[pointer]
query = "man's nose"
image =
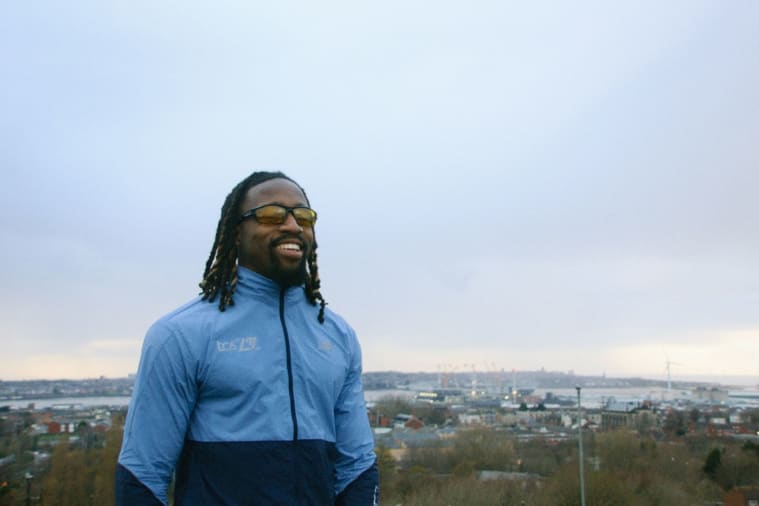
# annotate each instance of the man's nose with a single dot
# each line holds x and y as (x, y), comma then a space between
(290, 224)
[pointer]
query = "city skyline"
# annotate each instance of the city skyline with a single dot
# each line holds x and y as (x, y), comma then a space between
(463, 380)
(566, 187)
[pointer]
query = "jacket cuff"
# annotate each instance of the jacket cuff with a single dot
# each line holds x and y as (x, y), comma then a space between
(132, 492)
(363, 491)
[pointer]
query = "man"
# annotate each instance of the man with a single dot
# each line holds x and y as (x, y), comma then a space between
(256, 399)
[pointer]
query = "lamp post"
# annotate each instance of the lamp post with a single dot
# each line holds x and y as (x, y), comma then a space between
(579, 443)
(28, 477)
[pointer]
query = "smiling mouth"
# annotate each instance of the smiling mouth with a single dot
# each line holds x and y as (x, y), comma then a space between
(289, 247)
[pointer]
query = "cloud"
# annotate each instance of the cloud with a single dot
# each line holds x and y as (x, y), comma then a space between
(114, 345)
(113, 358)
(716, 352)
(497, 180)
(72, 365)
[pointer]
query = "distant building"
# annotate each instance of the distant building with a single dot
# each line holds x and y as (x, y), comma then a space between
(487, 475)
(627, 416)
(406, 421)
(711, 395)
(595, 418)
(440, 396)
(470, 419)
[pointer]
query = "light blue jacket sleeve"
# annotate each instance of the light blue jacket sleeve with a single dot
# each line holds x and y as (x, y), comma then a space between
(355, 444)
(162, 402)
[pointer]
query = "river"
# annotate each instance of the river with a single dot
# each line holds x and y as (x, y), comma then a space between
(591, 397)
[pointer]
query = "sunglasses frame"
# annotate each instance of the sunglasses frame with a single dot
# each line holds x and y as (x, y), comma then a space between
(251, 213)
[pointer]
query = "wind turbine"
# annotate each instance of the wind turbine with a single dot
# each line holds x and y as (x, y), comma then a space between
(669, 363)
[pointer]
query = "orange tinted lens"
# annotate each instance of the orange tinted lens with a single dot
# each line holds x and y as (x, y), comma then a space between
(271, 215)
(304, 216)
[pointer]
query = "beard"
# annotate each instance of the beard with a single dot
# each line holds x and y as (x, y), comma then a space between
(288, 276)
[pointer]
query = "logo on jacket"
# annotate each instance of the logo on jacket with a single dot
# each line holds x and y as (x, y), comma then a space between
(238, 344)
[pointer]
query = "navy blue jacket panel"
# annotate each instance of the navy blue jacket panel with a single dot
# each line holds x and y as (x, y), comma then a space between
(259, 401)
(296, 472)
(131, 492)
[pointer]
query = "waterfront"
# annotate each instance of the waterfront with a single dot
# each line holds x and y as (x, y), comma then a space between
(122, 401)
(84, 401)
(745, 388)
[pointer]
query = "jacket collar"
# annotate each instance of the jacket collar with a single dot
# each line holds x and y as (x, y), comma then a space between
(253, 283)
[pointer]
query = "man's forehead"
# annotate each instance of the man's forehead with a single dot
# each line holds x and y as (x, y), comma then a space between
(275, 190)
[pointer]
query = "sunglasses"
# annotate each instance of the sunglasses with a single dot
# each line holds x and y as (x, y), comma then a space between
(275, 214)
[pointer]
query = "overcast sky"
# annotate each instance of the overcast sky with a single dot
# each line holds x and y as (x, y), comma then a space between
(513, 185)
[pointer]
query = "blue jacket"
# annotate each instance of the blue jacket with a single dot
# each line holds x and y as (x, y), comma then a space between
(259, 404)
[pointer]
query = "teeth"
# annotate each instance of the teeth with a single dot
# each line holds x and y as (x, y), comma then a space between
(289, 246)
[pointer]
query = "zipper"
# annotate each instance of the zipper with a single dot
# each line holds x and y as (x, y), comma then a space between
(289, 363)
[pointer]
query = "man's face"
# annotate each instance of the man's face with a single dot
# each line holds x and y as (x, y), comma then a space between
(278, 252)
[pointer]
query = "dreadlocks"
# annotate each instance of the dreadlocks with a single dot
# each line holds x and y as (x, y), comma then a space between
(220, 275)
